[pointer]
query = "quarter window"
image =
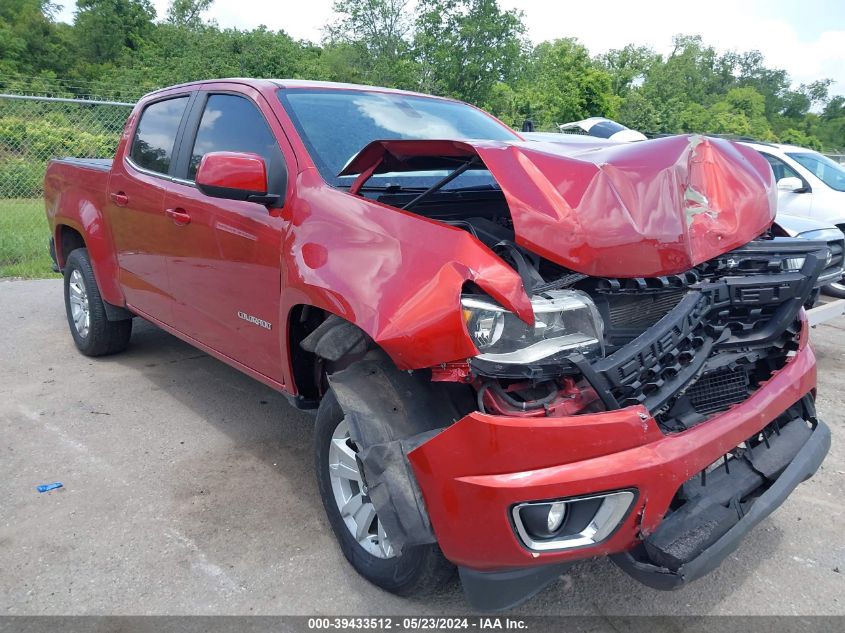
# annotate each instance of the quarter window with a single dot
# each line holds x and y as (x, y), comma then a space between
(152, 147)
(233, 124)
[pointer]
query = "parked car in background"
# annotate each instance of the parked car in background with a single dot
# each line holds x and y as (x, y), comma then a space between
(601, 127)
(520, 357)
(810, 185)
(830, 281)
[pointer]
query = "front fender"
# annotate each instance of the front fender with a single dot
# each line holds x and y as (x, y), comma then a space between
(394, 274)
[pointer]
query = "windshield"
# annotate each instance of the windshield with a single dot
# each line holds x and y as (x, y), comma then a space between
(829, 172)
(337, 124)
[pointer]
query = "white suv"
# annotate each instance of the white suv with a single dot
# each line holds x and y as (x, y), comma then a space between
(810, 185)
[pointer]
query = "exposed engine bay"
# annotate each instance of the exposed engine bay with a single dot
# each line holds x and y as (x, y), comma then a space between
(686, 346)
(716, 322)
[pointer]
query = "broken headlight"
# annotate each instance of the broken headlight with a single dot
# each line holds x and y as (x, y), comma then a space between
(564, 321)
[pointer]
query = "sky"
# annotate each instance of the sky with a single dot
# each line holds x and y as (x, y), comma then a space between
(806, 37)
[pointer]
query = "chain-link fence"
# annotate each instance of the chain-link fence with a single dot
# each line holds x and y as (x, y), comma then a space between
(32, 131)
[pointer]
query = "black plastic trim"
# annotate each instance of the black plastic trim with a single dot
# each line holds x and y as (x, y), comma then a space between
(55, 265)
(805, 463)
(501, 590)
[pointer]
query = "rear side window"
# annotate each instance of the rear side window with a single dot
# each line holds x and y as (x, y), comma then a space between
(233, 124)
(152, 147)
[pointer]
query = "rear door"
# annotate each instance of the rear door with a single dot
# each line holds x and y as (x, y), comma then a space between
(135, 206)
(225, 268)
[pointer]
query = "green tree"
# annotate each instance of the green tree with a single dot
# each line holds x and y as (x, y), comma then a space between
(627, 66)
(638, 113)
(373, 38)
(797, 137)
(106, 30)
(31, 43)
(465, 47)
(187, 13)
(565, 84)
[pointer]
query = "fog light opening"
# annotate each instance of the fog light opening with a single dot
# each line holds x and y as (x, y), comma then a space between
(568, 523)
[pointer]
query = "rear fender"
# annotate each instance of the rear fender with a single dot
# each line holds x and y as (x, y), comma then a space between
(89, 223)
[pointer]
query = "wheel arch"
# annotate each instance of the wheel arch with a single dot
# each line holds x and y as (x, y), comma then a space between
(67, 239)
(70, 235)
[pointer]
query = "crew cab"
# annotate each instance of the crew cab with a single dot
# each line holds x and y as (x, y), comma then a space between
(519, 357)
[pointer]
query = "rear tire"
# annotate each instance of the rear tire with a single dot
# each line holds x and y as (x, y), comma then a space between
(91, 330)
(418, 570)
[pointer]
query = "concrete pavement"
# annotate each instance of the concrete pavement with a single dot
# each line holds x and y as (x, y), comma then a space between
(188, 489)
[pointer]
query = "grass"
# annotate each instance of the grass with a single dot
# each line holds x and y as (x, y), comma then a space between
(24, 238)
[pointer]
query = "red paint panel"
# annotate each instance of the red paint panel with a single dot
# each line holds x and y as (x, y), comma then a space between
(76, 197)
(233, 170)
(474, 471)
(394, 274)
(663, 206)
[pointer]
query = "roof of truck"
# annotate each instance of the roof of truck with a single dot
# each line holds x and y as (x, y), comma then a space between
(298, 83)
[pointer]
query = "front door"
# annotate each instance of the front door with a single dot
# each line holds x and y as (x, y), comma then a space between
(135, 207)
(225, 265)
(790, 202)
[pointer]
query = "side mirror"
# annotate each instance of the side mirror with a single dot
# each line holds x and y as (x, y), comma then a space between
(795, 185)
(234, 176)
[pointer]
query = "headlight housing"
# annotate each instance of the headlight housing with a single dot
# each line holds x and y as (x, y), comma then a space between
(564, 321)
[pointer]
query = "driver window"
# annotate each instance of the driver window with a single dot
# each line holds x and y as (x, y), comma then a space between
(234, 124)
(781, 169)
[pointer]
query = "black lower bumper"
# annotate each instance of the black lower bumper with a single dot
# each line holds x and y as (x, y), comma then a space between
(684, 549)
(500, 590)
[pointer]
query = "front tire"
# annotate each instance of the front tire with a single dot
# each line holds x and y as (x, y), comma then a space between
(836, 289)
(418, 570)
(91, 330)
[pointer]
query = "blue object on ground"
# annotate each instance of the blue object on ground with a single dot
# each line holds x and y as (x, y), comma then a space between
(48, 487)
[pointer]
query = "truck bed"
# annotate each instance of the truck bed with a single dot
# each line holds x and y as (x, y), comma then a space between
(102, 164)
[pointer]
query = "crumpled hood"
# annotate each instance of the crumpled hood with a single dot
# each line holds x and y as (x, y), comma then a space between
(643, 209)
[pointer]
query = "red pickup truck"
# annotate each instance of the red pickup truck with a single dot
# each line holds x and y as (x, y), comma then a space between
(520, 355)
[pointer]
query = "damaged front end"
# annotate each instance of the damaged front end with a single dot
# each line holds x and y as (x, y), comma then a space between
(658, 405)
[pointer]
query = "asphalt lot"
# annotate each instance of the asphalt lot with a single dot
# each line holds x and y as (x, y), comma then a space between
(188, 489)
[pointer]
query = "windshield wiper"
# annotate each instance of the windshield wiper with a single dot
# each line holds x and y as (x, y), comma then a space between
(441, 183)
(386, 188)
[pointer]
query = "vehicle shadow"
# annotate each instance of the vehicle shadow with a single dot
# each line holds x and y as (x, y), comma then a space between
(261, 424)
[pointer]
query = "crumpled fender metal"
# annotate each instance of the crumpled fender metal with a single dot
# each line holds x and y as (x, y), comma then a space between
(390, 413)
(641, 209)
(394, 274)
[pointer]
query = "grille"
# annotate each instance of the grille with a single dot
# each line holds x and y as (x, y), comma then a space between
(717, 391)
(837, 251)
(642, 311)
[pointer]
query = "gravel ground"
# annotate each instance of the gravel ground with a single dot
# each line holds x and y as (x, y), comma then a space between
(188, 489)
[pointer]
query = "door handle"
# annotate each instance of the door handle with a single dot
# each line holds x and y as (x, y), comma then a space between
(120, 198)
(179, 216)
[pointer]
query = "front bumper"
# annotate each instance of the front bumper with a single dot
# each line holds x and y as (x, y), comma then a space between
(476, 470)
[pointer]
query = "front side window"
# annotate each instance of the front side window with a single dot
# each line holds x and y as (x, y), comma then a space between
(152, 147)
(828, 171)
(780, 168)
(337, 124)
(233, 124)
